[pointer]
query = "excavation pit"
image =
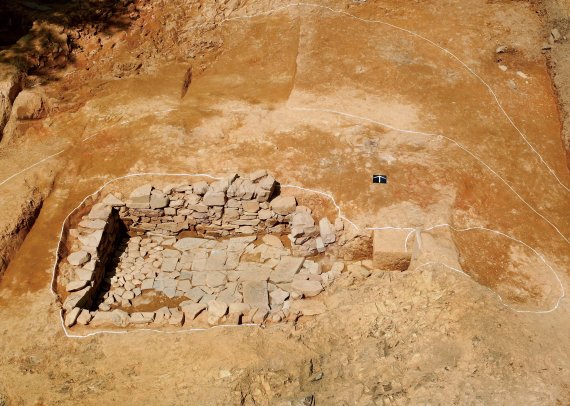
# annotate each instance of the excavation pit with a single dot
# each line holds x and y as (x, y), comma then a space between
(233, 251)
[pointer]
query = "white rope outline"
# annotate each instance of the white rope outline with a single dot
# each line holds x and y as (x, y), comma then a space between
(339, 210)
(414, 34)
(328, 195)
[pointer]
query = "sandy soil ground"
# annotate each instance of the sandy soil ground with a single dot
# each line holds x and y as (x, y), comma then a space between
(324, 97)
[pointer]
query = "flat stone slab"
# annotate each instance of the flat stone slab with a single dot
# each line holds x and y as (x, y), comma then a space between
(308, 307)
(255, 294)
(286, 269)
(307, 287)
(188, 243)
(192, 310)
(78, 258)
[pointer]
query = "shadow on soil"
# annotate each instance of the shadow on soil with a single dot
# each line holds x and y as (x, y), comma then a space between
(39, 36)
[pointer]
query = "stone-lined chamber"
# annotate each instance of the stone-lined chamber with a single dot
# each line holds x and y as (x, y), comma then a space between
(231, 251)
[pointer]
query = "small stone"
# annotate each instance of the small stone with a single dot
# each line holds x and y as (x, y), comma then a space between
(78, 258)
(100, 211)
(116, 317)
(250, 206)
(192, 310)
(158, 200)
(76, 285)
(327, 231)
(273, 241)
(501, 49)
(255, 294)
(188, 243)
(84, 317)
(140, 197)
(214, 199)
(128, 295)
(215, 279)
(142, 317)
(309, 288)
(320, 244)
(522, 75)
(283, 205)
(555, 34)
(176, 317)
(147, 284)
(503, 68)
(338, 224)
(217, 308)
(241, 308)
(278, 296)
(93, 224)
(111, 200)
(71, 316)
(194, 294)
(286, 269)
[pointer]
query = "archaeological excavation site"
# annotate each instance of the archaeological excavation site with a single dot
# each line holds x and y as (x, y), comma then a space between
(270, 202)
(238, 250)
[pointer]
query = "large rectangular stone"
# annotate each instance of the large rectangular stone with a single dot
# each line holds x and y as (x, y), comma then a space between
(286, 269)
(389, 250)
(255, 294)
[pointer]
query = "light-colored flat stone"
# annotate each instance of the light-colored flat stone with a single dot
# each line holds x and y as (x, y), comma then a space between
(217, 308)
(111, 200)
(278, 296)
(273, 241)
(308, 307)
(215, 279)
(93, 224)
(255, 294)
(283, 205)
(188, 243)
(142, 317)
(327, 231)
(84, 317)
(389, 252)
(214, 198)
(194, 294)
(241, 308)
(91, 240)
(76, 285)
(100, 211)
(192, 310)
(71, 316)
(78, 258)
(286, 269)
(116, 317)
(307, 287)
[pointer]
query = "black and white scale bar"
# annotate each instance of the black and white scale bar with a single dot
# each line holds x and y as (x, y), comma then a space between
(379, 179)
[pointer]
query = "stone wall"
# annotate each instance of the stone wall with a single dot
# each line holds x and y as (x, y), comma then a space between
(93, 244)
(234, 205)
(122, 249)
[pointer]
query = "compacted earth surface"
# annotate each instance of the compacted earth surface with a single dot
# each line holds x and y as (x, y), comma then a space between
(188, 213)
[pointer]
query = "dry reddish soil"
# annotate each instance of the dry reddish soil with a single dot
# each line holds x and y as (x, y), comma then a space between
(303, 91)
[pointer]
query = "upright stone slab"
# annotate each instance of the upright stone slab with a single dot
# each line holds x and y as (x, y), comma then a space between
(389, 252)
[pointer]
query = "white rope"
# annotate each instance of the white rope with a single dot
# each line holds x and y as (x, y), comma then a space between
(367, 119)
(415, 34)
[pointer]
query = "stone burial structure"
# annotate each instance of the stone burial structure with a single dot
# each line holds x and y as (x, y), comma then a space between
(232, 251)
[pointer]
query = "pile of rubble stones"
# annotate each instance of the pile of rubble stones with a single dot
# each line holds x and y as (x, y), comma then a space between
(235, 268)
